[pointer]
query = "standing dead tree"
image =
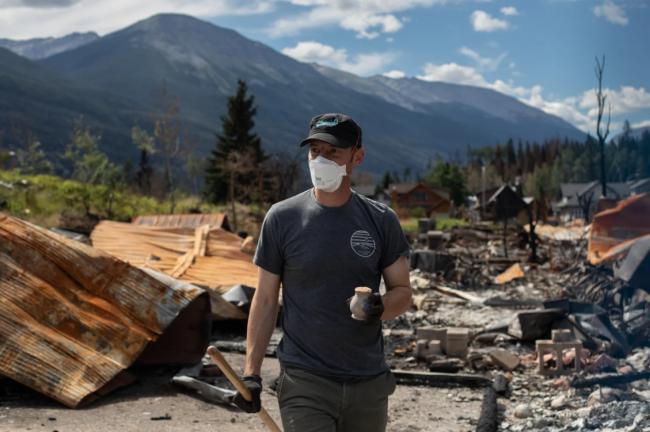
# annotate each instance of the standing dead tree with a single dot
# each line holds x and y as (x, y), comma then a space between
(602, 136)
(283, 172)
(585, 200)
(167, 131)
(239, 166)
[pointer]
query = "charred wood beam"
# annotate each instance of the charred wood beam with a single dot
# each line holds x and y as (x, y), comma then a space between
(489, 419)
(610, 380)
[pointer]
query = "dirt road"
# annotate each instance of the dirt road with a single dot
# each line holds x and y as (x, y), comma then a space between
(131, 409)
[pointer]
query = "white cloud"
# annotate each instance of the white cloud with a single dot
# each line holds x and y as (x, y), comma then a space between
(389, 39)
(363, 64)
(25, 19)
(576, 110)
(627, 100)
(641, 124)
(483, 21)
(510, 10)
(361, 23)
(512, 65)
(612, 13)
(394, 74)
(484, 63)
(368, 18)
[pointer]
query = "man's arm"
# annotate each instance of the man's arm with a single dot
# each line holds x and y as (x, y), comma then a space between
(397, 299)
(261, 320)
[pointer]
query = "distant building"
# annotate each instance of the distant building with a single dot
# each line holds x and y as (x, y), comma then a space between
(568, 205)
(639, 187)
(499, 202)
(434, 200)
(373, 193)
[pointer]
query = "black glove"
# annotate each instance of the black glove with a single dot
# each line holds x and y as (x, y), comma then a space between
(254, 384)
(374, 309)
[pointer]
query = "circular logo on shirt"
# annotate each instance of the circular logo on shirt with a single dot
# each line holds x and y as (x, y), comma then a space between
(362, 244)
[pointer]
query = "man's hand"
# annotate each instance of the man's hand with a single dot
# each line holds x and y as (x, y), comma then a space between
(254, 384)
(374, 309)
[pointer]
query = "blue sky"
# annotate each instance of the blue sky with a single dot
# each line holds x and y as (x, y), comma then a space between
(539, 51)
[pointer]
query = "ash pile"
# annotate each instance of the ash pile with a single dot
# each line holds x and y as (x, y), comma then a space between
(553, 321)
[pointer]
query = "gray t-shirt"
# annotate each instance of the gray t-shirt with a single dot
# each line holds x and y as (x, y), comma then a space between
(322, 254)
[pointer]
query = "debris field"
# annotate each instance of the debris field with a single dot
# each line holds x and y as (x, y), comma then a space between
(513, 328)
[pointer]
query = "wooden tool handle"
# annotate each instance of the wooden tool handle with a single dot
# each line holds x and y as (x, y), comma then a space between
(223, 364)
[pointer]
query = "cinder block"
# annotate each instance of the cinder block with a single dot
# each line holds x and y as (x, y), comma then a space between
(504, 359)
(433, 333)
(425, 348)
(562, 335)
(457, 341)
(558, 348)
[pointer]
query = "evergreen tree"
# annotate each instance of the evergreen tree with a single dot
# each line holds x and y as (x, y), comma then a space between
(147, 146)
(537, 154)
(643, 159)
(449, 176)
(530, 160)
(236, 138)
(498, 161)
(511, 157)
(386, 180)
(521, 162)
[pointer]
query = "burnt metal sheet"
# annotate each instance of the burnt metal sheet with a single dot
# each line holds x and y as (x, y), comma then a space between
(73, 317)
(627, 221)
(215, 220)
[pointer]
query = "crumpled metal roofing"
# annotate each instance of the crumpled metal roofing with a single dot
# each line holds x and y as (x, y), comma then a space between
(215, 220)
(218, 265)
(73, 317)
(627, 221)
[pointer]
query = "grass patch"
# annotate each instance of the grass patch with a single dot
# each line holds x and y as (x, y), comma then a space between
(411, 224)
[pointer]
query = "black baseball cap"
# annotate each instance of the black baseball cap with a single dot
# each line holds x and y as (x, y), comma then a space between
(336, 129)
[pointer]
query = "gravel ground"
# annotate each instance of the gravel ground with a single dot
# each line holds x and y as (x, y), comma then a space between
(131, 408)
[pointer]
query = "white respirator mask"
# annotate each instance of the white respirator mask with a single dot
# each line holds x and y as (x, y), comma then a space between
(326, 175)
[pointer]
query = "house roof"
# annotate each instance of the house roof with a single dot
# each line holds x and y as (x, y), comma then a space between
(638, 183)
(404, 188)
(365, 190)
(571, 191)
(489, 194)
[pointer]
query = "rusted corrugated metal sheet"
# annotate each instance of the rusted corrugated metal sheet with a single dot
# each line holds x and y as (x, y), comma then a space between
(215, 220)
(73, 317)
(628, 220)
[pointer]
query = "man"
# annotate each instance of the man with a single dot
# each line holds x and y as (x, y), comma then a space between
(321, 245)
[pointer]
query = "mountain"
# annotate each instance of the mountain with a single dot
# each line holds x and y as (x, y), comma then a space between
(47, 103)
(201, 63)
(35, 49)
(498, 115)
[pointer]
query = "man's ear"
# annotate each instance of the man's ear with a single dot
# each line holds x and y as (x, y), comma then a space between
(359, 154)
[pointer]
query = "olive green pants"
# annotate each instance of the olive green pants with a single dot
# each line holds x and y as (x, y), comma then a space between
(310, 403)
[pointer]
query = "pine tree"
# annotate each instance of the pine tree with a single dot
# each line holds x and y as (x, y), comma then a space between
(511, 157)
(386, 180)
(236, 138)
(530, 160)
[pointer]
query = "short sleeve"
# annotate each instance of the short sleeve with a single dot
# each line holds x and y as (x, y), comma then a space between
(269, 247)
(395, 243)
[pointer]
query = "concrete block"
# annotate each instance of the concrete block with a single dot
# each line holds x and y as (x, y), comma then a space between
(558, 349)
(457, 341)
(562, 335)
(433, 333)
(504, 359)
(425, 348)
